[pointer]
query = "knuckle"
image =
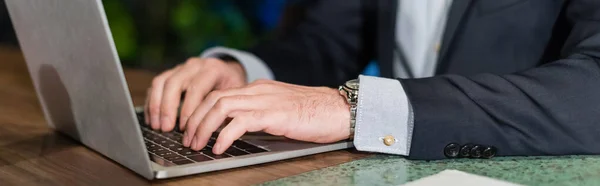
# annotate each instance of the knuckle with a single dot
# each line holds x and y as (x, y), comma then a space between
(213, 61)
(171, 81)
(211, 71)
(158, 81)
(214, 95)
(221, 106)
(192, 61)
(258, 115)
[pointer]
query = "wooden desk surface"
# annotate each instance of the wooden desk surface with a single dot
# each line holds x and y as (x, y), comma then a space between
(32, 154)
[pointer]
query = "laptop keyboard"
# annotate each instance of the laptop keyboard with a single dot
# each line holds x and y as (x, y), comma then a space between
(166, 148)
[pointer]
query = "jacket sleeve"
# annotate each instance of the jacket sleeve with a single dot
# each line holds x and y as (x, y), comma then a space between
(328, 47)
(549, 110)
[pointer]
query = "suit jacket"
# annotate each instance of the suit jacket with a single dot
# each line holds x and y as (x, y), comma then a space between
(520, 75)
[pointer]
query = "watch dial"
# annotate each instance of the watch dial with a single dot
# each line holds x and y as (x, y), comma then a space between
(352, 84)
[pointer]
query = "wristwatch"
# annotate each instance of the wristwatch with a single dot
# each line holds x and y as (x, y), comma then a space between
(350, 91)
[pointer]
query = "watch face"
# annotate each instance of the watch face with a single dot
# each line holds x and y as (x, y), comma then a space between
(352, 84)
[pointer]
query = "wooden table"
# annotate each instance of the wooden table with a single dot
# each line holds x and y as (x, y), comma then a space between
(33, 154)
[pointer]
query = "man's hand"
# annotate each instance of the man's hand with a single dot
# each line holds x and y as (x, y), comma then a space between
(197, 77)
(314, 114)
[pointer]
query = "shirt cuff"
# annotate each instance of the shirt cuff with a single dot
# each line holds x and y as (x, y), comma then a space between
(383, 110)
(254, 66)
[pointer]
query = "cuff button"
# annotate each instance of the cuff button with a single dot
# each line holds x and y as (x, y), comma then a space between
(389, 140)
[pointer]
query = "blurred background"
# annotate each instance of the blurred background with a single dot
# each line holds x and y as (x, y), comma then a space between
(159, 34)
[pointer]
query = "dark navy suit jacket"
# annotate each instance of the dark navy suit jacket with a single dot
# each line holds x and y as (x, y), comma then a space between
(520, 75)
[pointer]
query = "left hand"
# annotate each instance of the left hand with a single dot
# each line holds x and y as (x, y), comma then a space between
(312, 114)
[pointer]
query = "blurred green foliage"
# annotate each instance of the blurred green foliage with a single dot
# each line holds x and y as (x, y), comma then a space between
(122, 28)
(160, 33)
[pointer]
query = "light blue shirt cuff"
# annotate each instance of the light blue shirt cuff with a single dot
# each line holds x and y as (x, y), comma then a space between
(254, 66)
(383, 109)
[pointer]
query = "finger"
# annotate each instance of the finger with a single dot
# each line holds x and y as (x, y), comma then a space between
(146, 109)
(195, 92)
(171, 97)
(222, 109)
(155, 97)
(200, 111)
(251, 121)
(210, 100)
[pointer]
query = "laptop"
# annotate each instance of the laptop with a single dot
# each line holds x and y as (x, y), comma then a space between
(79, 81)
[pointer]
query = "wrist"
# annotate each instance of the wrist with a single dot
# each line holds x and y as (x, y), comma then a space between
(349, 91)
(343, 117)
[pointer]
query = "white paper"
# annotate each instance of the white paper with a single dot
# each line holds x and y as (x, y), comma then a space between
(459, 178)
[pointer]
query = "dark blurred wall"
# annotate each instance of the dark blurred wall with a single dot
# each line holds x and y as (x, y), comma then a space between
(7, 34)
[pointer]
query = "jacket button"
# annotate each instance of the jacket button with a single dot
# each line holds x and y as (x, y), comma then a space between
(465, 150)
(489, 152)
(476, 151)
(451, 150)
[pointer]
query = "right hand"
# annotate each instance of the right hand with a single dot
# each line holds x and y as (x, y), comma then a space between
(196, 77)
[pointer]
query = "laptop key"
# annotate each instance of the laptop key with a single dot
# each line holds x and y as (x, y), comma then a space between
(174, 137)
(174, 158)
(152, 147)
(163, 142)
(189, 153)
(172, 145)
(158, 150)
(199, 158)
(179, 149)
(255, 150)
(235, 152)
(210, 154)
(169, 135)
(211, 142)
(165, 154)
(182, 162)
(153, 138)
(243, 145)
(177, 138)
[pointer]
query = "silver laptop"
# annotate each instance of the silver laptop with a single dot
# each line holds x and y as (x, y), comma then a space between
(78, 78)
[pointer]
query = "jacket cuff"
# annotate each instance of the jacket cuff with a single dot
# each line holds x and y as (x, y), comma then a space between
(254, 66)
(383, 110)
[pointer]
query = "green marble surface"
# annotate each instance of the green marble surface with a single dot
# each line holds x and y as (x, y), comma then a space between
(395, 170)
